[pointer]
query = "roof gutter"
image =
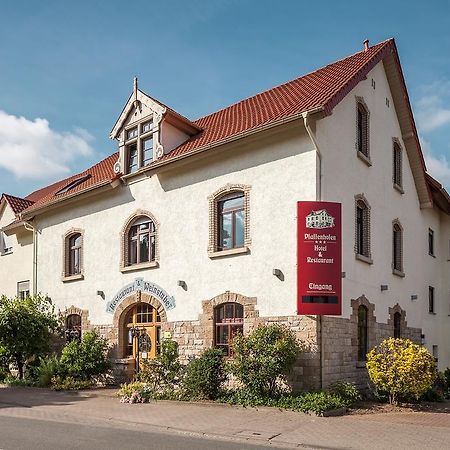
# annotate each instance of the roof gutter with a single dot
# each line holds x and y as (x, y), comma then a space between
(236, 137)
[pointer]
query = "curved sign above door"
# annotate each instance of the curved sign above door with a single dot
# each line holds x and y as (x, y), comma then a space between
(139, 284)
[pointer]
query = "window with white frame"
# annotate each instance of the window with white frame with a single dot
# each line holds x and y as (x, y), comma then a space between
(6, 244)
(23, 289)
(139, 145)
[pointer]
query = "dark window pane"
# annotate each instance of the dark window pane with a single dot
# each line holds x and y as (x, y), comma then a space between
(132, 248)
(226, 231)
(144, 248)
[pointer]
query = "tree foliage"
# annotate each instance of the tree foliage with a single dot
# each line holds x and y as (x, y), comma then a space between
(263, 357)
(401, 368)
(25, 328)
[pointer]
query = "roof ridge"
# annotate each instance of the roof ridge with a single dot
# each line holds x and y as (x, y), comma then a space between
(379, 44)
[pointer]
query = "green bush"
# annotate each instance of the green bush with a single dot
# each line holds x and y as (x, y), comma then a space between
(401, 368)
(48, 368)
(15, 381)
(309, 402)
(69, 384)
(204, 375)
(136, 392)
(264, 357)
(346, 391)
(85, 358)
(162, 374)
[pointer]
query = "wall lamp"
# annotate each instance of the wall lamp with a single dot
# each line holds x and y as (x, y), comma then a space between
(101, 294)
(278, 273)
(182, 284)
(384, 287)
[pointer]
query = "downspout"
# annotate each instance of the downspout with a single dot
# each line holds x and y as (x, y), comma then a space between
(319, 319)
(306, 122)
(30, 227)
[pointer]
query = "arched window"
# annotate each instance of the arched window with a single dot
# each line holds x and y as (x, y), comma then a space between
(363, 345)
(73, 254)
(362, 125)
(397, 248)
(397, 165)
(73, 327)
(142, 332)
(397, 325)
(141, 241)
(231, 221)
(228, 321)
(362, 228)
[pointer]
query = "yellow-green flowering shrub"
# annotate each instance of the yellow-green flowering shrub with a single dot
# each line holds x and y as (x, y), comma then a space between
(401, 368)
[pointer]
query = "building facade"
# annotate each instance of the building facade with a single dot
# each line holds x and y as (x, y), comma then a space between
(190, 229)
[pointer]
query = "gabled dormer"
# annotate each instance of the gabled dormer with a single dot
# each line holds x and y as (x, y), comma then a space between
(147, 130)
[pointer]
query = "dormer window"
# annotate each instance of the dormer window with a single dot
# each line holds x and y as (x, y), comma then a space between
(139, 146)
(73, 184)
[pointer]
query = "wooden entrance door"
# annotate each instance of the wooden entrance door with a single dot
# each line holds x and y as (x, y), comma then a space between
(145, 343)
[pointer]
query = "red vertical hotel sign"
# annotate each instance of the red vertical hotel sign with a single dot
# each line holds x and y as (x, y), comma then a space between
(319, 258)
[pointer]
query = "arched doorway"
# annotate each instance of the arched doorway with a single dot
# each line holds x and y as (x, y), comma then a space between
(141, 332)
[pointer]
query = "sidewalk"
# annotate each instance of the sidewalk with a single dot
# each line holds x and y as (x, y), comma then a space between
(266, 426)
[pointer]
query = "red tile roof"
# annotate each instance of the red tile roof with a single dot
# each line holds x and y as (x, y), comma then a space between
(324, 88)
(99, 174)
(17, 204)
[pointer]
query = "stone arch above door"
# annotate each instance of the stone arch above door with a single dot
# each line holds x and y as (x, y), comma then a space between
(124, 307)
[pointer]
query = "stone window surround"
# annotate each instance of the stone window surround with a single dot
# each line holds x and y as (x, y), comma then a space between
(371, 324)
(367, 258)
(396, 143)
(206, 318)
(124, 243)
(213, 251)
(120, 314)
(403, 324)
(84, 313)
(399, 272)
(65, 276)
(364, 157)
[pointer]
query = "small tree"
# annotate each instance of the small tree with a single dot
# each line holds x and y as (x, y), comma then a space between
(401, 368)
(25, 328)
(85, 358)
(263, 357)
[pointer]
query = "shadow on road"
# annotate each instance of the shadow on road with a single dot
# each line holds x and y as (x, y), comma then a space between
(28, 397)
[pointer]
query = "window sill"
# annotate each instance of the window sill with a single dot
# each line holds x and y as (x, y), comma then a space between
(70, 278)
(398, 188)
(230, 252)
(432, 313)
(361, 364)
(364, 158)
(398, 273)
(363, 258)
(142, 266)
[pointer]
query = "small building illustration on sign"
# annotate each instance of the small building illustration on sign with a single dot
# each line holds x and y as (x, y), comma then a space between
(319, 219)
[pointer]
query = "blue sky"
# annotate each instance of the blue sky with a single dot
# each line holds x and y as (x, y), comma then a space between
(67, 67)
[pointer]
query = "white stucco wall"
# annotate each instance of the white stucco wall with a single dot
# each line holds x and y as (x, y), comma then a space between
(171, 137)
(280, 170)
(345, 175)
(16, 266)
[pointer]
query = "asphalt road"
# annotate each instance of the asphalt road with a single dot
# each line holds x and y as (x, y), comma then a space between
(34, 434)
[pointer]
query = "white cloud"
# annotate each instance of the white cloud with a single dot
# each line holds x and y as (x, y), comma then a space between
(30, 149)
(432, 112)
(437, 166)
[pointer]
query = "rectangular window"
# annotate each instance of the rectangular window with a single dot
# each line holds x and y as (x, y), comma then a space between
(6, 246)
(435, 352)
(359, 231)
(397, 156)
(132, 133)
(430, 242)
(132, 158)
(147, 126)
(23, 289)
(430, 299)
(147, 150)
